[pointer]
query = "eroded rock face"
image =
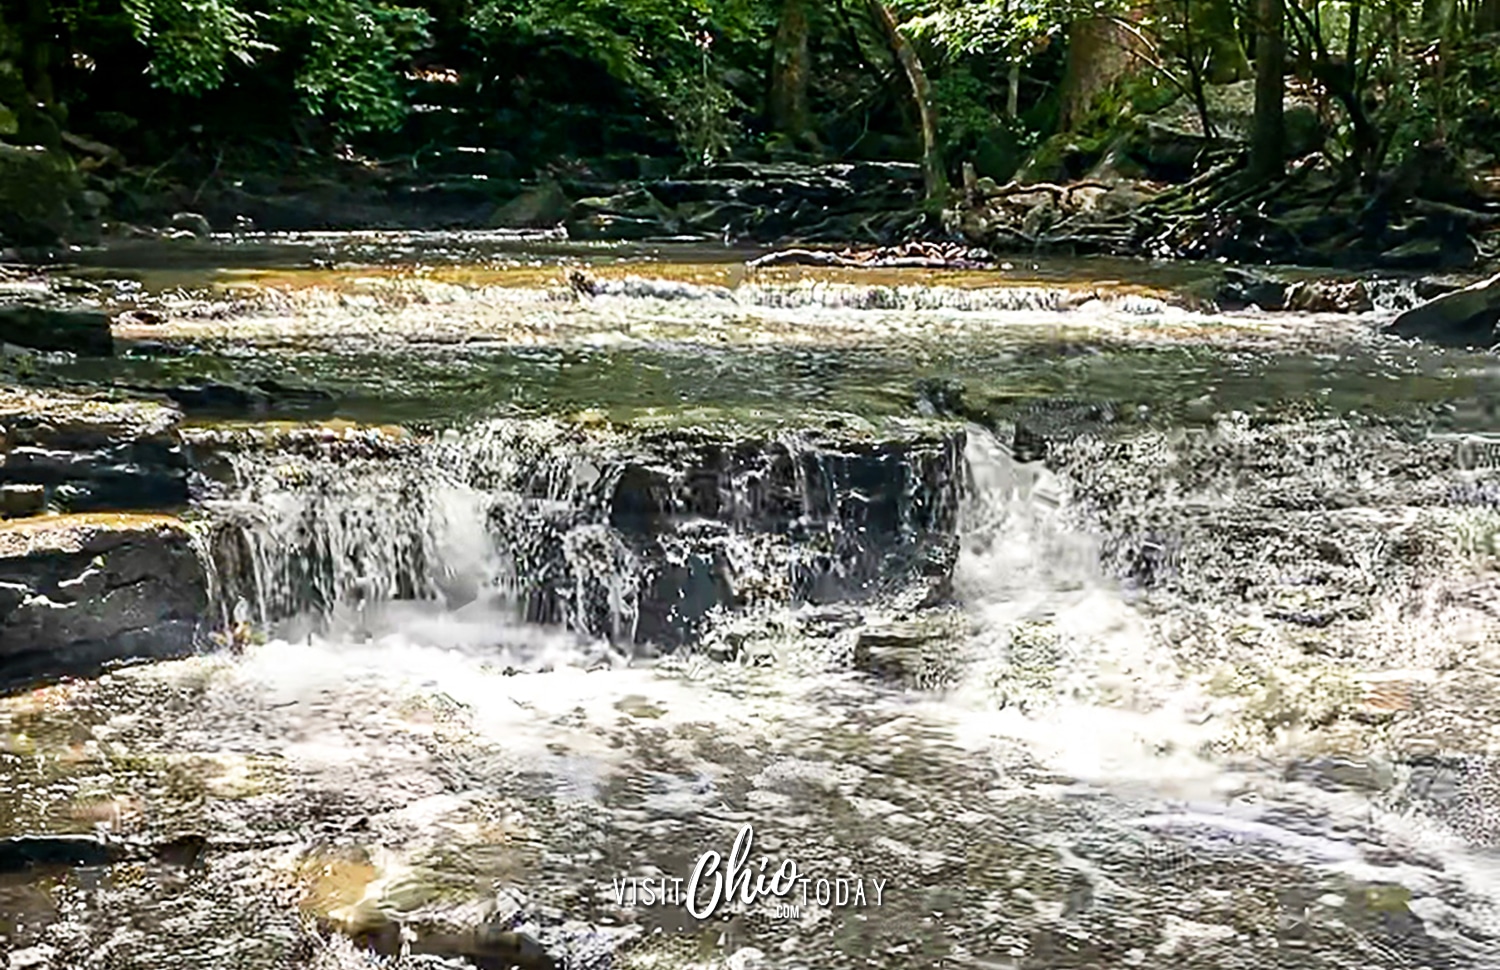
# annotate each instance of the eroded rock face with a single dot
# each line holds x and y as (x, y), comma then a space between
(839, 520)
(81, 591)
(636, 536)
(90, 455)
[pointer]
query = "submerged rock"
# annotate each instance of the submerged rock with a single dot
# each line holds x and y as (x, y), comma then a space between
(78, 592)
(260, 397)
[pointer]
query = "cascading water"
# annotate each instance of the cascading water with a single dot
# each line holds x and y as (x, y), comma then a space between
(633, 539)
(1069, 718)
(464, 800)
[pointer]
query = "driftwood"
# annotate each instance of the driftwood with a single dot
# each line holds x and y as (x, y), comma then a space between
(916, 255)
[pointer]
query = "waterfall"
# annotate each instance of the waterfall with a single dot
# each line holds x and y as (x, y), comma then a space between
(633, 537)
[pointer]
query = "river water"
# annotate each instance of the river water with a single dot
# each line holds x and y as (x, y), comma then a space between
(1215, 687)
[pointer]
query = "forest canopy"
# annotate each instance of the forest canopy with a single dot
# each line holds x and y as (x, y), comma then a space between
(1040, 88)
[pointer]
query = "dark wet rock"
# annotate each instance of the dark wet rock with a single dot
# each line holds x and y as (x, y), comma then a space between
(260, 397)
(19, 853)
(17, 501)
(139, 317)
(82, 332)
(1242, 288)
(28, 851)
(191, 222)
(1462, 318)
(1432, 287)
(92, 455)
(79, 592)
(1329, 296)
(642, 536)
(857, 515)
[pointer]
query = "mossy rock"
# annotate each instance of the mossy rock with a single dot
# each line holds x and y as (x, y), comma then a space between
(998, 154)
(35, 187)
(1064, 157)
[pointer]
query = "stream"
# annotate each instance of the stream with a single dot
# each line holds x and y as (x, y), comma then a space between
(708, 556)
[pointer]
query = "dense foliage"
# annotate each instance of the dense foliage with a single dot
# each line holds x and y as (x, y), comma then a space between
(549, 83)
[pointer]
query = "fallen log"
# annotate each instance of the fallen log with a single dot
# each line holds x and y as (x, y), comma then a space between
(869, 260)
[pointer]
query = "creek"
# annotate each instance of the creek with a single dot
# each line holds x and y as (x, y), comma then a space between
(1213, 683)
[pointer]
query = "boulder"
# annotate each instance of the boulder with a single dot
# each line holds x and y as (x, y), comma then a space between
(91, 455)
(540, 207)
(80, 592)
(82, 332)
(192, 222)
(1462, 318)
(1329, 296)
(1240, 288)
(629, 215)
(35, 186)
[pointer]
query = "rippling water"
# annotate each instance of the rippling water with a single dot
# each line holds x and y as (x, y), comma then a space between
(401, 772)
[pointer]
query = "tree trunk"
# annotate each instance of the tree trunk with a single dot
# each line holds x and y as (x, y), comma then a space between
(1099, 55)
(1487, 17)
(1218, 41)
(36, 33)
(933, 176)
(789, 70)
(1268, 137)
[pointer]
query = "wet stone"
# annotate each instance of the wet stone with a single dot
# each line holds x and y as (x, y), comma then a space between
(639, 537)
(92, 455)
(81, 591)
(22, 500)
(83, 332)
